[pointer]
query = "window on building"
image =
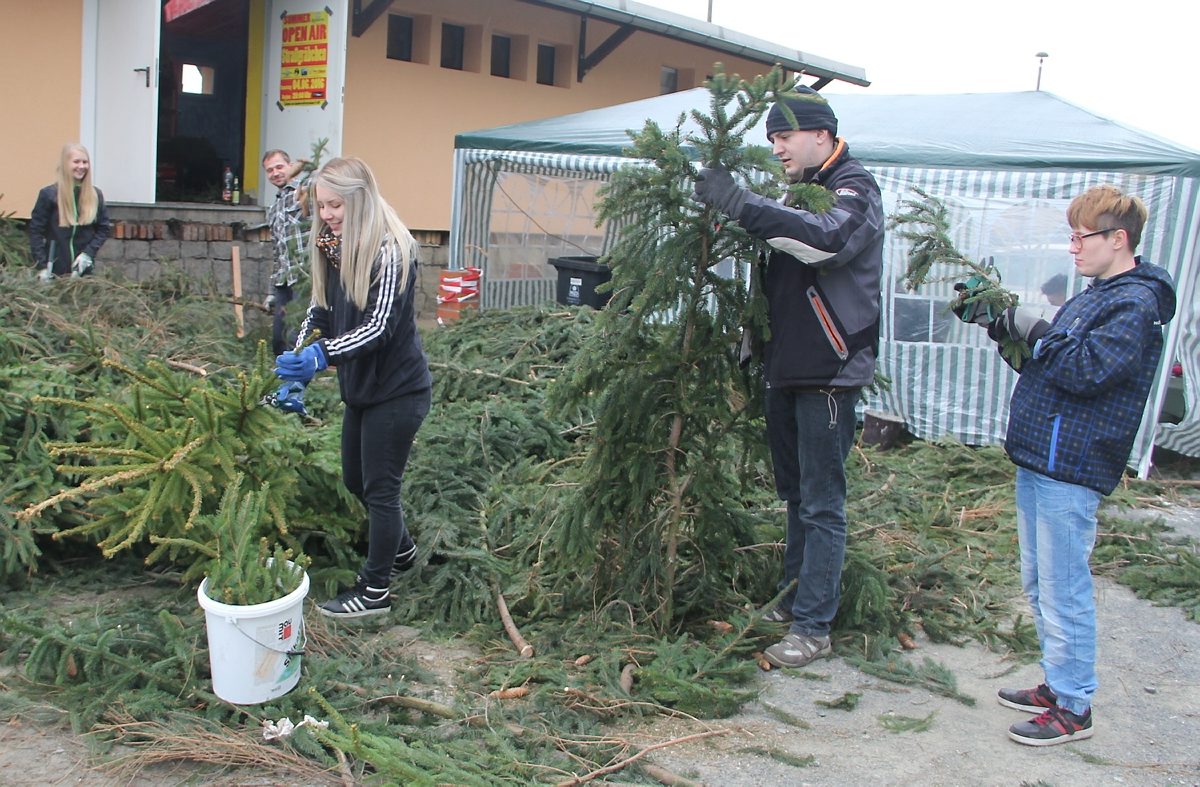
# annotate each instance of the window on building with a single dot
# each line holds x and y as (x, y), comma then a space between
(501, 56)
(454, 39)
(400, 37)
(668, 80)
(546, 64)
(197, 80)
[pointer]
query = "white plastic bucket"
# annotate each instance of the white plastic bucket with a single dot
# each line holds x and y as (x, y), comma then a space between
(254, 651)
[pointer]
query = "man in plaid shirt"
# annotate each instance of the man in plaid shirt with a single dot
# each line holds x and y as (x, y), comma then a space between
(289, 221)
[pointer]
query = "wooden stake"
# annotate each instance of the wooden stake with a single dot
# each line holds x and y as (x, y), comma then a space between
(237, 291)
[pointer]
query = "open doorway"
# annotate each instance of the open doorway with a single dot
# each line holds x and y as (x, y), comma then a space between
(202, 101)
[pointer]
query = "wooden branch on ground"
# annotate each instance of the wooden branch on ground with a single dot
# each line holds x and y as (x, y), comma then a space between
(663, 776)
(414, 703)
(523, 647)
(619, 765)
(626, 680)
(187, 367)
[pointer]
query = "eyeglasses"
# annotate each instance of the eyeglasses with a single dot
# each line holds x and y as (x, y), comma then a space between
(1077, 238)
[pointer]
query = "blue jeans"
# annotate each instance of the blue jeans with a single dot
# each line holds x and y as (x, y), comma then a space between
(1056, 527)
(376, 442)
(810, 433)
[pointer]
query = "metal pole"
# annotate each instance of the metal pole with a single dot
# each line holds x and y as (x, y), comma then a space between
(1040, 56)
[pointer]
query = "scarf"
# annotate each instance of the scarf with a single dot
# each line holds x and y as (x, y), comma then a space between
(331, 245)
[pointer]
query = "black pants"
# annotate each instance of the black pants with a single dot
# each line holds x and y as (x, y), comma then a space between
(376, 442)
(281, 341)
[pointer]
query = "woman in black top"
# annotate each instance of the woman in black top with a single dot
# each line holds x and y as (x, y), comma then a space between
(364, 272)
(69, 222)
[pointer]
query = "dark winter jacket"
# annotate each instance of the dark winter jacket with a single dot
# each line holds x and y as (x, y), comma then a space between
(1079, 401)
(377, 350)
(823, 280)
(68, 242)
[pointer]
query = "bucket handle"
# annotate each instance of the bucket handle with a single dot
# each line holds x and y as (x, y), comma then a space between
(297, 650)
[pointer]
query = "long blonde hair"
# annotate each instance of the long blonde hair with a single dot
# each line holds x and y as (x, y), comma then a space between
(69, 211)
(368, 221)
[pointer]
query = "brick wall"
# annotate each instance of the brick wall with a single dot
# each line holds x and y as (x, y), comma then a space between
(199, 240)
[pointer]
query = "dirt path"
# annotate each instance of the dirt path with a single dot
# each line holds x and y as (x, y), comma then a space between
(1147, 716)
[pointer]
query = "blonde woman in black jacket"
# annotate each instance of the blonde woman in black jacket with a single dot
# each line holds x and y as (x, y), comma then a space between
(69, 222)
(364, 272)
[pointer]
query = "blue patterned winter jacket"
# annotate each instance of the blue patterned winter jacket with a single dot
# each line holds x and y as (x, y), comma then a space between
(1078, 403)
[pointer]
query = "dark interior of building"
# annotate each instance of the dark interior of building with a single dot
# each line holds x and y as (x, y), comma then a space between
(202, 101)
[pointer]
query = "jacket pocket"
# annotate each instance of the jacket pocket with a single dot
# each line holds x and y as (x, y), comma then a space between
(825, 319)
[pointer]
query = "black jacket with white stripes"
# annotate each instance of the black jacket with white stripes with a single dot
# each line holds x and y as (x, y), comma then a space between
(377, 350)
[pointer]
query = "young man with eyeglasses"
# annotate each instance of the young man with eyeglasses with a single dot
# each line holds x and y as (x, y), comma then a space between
(1073, 417)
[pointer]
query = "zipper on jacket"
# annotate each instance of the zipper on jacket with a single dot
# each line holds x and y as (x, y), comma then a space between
(1054, 442)
(826, 320)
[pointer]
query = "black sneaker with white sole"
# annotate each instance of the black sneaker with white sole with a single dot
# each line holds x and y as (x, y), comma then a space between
(357, 602)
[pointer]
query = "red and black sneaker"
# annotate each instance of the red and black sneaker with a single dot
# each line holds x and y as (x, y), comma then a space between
(1056, 725)
(1031, 700)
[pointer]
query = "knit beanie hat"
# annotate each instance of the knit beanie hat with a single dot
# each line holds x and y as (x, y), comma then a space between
(811, 109)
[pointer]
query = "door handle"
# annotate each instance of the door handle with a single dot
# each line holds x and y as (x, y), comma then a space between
(146, 71)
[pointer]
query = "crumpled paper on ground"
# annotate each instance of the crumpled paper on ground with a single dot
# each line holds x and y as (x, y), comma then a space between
(284, 727)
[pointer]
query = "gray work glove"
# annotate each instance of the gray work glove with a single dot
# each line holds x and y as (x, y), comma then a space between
(82, 265)
(1018, 324)
(716, 188)
(46, 273)
(269, 303)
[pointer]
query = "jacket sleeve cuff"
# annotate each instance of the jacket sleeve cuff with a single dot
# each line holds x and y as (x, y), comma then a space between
(1038, 331)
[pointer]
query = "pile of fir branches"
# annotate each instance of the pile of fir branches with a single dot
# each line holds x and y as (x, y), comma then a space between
(603, 473)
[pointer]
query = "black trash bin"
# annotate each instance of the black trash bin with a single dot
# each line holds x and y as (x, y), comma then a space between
(578, 278)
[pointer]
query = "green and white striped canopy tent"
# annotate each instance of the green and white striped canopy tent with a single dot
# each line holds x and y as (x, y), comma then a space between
(1007, 164)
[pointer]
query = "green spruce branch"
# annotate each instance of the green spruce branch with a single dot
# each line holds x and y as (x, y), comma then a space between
(933, 257)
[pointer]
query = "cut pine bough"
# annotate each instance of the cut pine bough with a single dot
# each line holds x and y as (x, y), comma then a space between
(932, 257)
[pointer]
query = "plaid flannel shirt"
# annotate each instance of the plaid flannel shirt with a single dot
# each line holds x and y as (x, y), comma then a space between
(289, 231)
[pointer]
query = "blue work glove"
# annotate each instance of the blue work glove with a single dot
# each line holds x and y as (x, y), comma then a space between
(1018, 324)
(716, 188)
(290, 398)
(301, 365)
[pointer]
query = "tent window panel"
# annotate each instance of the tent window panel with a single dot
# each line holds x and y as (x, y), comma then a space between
(919, 319)
(535, 218)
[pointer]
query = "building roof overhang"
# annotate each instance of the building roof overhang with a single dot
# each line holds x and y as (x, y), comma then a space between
(631, 17)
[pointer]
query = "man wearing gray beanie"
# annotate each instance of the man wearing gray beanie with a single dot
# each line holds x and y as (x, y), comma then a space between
(822, 285)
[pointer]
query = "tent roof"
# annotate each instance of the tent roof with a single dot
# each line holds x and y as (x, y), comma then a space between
(1033, 129)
